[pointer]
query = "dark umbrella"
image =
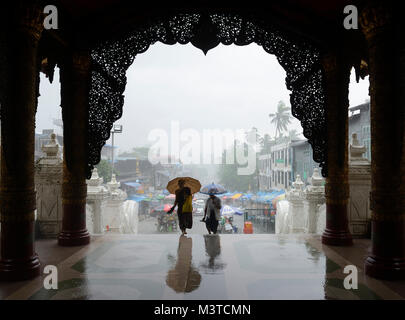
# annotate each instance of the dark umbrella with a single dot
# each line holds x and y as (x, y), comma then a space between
(213, 188)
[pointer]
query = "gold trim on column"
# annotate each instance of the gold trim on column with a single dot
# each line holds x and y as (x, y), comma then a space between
(336, 68)
(17, 206)
(390, 202)
(387, 216)
(337, 192)
(329, 63)
(81, 62)
(31, 19)
(374, 18)
(72, 191)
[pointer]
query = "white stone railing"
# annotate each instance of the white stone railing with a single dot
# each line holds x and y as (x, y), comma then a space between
(106, 206)
(108, 209)
(305, 210)
(301, 212)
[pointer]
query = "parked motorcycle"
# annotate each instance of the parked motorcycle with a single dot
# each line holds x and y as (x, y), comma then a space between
(166, 223)
(226, 226)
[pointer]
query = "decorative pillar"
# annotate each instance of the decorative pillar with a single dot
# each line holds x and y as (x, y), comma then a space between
(18, 259)
(337, 77)
(386, 65)
(360, 186)
(314, 198)
(114, 206)
(96, 196)
(75, 82)
(48, 183)
(296, 208)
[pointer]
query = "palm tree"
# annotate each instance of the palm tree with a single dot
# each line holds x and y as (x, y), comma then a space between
(281, 119)
(293, 134)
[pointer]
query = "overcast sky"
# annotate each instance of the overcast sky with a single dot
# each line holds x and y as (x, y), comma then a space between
(232, 87)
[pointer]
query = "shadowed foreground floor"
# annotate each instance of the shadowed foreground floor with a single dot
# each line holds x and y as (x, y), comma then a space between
(195, 266)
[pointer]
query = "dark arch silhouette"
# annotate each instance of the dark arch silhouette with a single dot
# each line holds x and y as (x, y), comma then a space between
(299, 58)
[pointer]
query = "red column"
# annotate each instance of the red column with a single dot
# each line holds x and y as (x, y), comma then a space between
(75, 80)
(337, 77)
(18, 260)
(386, 64)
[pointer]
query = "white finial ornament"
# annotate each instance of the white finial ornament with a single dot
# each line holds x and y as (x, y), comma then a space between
(356, 150)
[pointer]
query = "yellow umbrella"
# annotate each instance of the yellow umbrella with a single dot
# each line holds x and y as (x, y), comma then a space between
(192, 183)
(236, 196)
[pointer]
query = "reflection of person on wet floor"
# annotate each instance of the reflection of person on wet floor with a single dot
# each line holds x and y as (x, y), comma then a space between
(212, 213)
(184, 277)
(212, 247)
(213, 251)
(185, 218)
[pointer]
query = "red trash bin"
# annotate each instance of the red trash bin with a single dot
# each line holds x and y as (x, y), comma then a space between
(248, 227)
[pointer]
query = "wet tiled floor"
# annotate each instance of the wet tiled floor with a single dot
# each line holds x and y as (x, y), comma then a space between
(207, 267)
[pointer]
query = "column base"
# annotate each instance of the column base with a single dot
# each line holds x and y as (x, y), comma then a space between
(70, 239)
(337, 229)
(337, 238)
(387, 257)
(385, 269)
(19, 270)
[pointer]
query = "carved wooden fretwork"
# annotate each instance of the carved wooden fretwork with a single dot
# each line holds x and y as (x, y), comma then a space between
(300, 59)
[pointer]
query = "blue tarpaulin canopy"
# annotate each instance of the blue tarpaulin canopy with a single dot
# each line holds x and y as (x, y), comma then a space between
(133, 184)
(136, 198)
(268, 197)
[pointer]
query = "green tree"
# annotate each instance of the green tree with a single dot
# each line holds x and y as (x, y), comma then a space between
(281, 119)
(229, 178)
(104, 170)
(266, 144)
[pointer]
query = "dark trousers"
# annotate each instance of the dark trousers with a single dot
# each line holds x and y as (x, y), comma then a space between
(212, 224)
(185, 220)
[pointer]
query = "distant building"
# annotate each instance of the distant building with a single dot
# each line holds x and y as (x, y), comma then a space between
(275, 168)
(155, 176)
(279, 168)
(359, 122)
(303, 163)
(281, 173)
(134, 169)
(264, 169)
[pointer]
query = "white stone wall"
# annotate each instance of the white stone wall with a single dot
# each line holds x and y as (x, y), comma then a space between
(321, 220)
(48, 186)
(359, 213)
(283, 219)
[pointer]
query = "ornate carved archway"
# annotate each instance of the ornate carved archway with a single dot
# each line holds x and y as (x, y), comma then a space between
(299, 58)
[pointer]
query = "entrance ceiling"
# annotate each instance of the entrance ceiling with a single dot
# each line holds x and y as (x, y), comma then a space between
(98, 20)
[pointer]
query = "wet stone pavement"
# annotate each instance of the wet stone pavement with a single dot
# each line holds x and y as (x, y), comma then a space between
(148, 226)
(197, 266)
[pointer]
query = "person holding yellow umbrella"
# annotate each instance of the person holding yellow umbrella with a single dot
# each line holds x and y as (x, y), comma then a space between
(183, 188)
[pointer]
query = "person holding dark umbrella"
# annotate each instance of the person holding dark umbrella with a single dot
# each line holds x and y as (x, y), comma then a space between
(212, 211)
